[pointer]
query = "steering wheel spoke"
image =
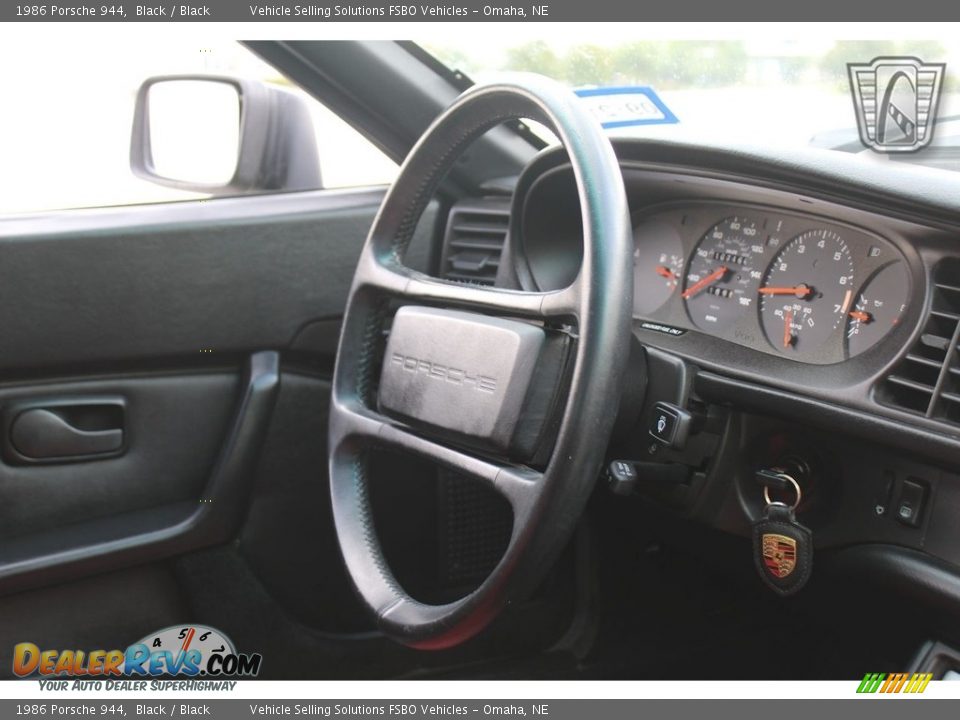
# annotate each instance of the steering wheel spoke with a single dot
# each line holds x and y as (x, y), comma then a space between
(516, 483)
(416, 287)
(534, 305)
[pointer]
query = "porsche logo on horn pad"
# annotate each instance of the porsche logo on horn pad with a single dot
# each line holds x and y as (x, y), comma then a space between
(779, 554)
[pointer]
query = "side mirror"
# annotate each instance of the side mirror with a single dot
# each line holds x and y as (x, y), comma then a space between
(222, 136)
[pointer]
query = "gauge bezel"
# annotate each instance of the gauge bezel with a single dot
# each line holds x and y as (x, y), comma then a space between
(694, 218)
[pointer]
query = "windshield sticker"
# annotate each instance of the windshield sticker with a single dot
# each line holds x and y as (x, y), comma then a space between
(617, 107)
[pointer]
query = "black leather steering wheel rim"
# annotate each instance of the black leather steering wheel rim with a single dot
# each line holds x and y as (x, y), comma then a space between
(547, 505)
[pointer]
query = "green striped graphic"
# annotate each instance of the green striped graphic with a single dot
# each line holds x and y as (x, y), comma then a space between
(871, 682)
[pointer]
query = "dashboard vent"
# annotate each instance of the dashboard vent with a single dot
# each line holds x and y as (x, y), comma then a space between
(927, 380)
(474, 241)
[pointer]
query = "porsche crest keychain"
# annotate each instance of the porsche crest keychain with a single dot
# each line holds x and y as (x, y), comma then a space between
(782, 547)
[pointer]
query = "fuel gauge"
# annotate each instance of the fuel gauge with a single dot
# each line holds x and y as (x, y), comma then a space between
(878, 307)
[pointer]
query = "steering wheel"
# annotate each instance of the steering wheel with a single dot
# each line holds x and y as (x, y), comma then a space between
(489, 383)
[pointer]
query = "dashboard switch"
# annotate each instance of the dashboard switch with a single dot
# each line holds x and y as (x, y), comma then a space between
(909, 507)
(670, 425)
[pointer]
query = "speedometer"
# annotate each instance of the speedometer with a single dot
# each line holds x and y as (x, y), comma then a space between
(722, 278)
(807, 291)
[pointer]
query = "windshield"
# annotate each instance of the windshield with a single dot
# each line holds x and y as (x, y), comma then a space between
(770, 92)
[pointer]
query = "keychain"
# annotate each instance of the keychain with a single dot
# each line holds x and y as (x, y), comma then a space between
(782, 547)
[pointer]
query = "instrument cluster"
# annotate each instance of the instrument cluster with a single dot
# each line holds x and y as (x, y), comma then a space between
(787, 284)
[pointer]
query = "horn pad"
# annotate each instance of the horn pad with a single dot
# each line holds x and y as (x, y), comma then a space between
(483, 381)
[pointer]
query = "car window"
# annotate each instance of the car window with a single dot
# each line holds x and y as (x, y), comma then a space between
(65, 138)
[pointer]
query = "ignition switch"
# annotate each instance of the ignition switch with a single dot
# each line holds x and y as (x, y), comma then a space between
(778, 481)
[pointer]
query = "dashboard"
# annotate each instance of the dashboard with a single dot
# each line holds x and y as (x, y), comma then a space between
(781, 283)
(799, 310)
(816, 278)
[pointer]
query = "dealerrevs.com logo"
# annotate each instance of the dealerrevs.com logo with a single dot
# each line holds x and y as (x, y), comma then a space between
(191, 651)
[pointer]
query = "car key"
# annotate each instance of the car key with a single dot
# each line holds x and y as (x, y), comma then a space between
(782, 547)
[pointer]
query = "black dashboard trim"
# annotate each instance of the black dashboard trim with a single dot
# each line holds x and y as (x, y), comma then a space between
(922, 195)
(918, 575)
(930, 446)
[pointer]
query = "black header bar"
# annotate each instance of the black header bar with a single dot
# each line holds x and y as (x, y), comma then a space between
(318, 11)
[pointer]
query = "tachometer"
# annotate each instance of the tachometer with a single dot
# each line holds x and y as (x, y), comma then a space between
(722, 278)
(657, 264)
(877, 307)
(807, 291)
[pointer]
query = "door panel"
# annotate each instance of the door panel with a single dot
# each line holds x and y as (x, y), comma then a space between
(173, 426)
(180, 314)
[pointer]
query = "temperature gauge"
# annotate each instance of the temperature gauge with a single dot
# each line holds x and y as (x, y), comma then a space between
(878, 307)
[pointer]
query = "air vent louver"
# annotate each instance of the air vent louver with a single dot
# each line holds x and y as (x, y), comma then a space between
(927, 380)
(474, 242)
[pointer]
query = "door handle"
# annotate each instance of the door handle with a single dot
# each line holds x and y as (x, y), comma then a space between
(42, 434)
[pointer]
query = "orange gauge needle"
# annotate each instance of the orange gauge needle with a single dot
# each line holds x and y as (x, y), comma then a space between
(787, 334)
(801, 291)
(708, 280)
(846, 301)
(664, 271)
(863, 317)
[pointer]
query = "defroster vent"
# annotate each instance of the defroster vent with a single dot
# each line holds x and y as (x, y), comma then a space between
(927, 380)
